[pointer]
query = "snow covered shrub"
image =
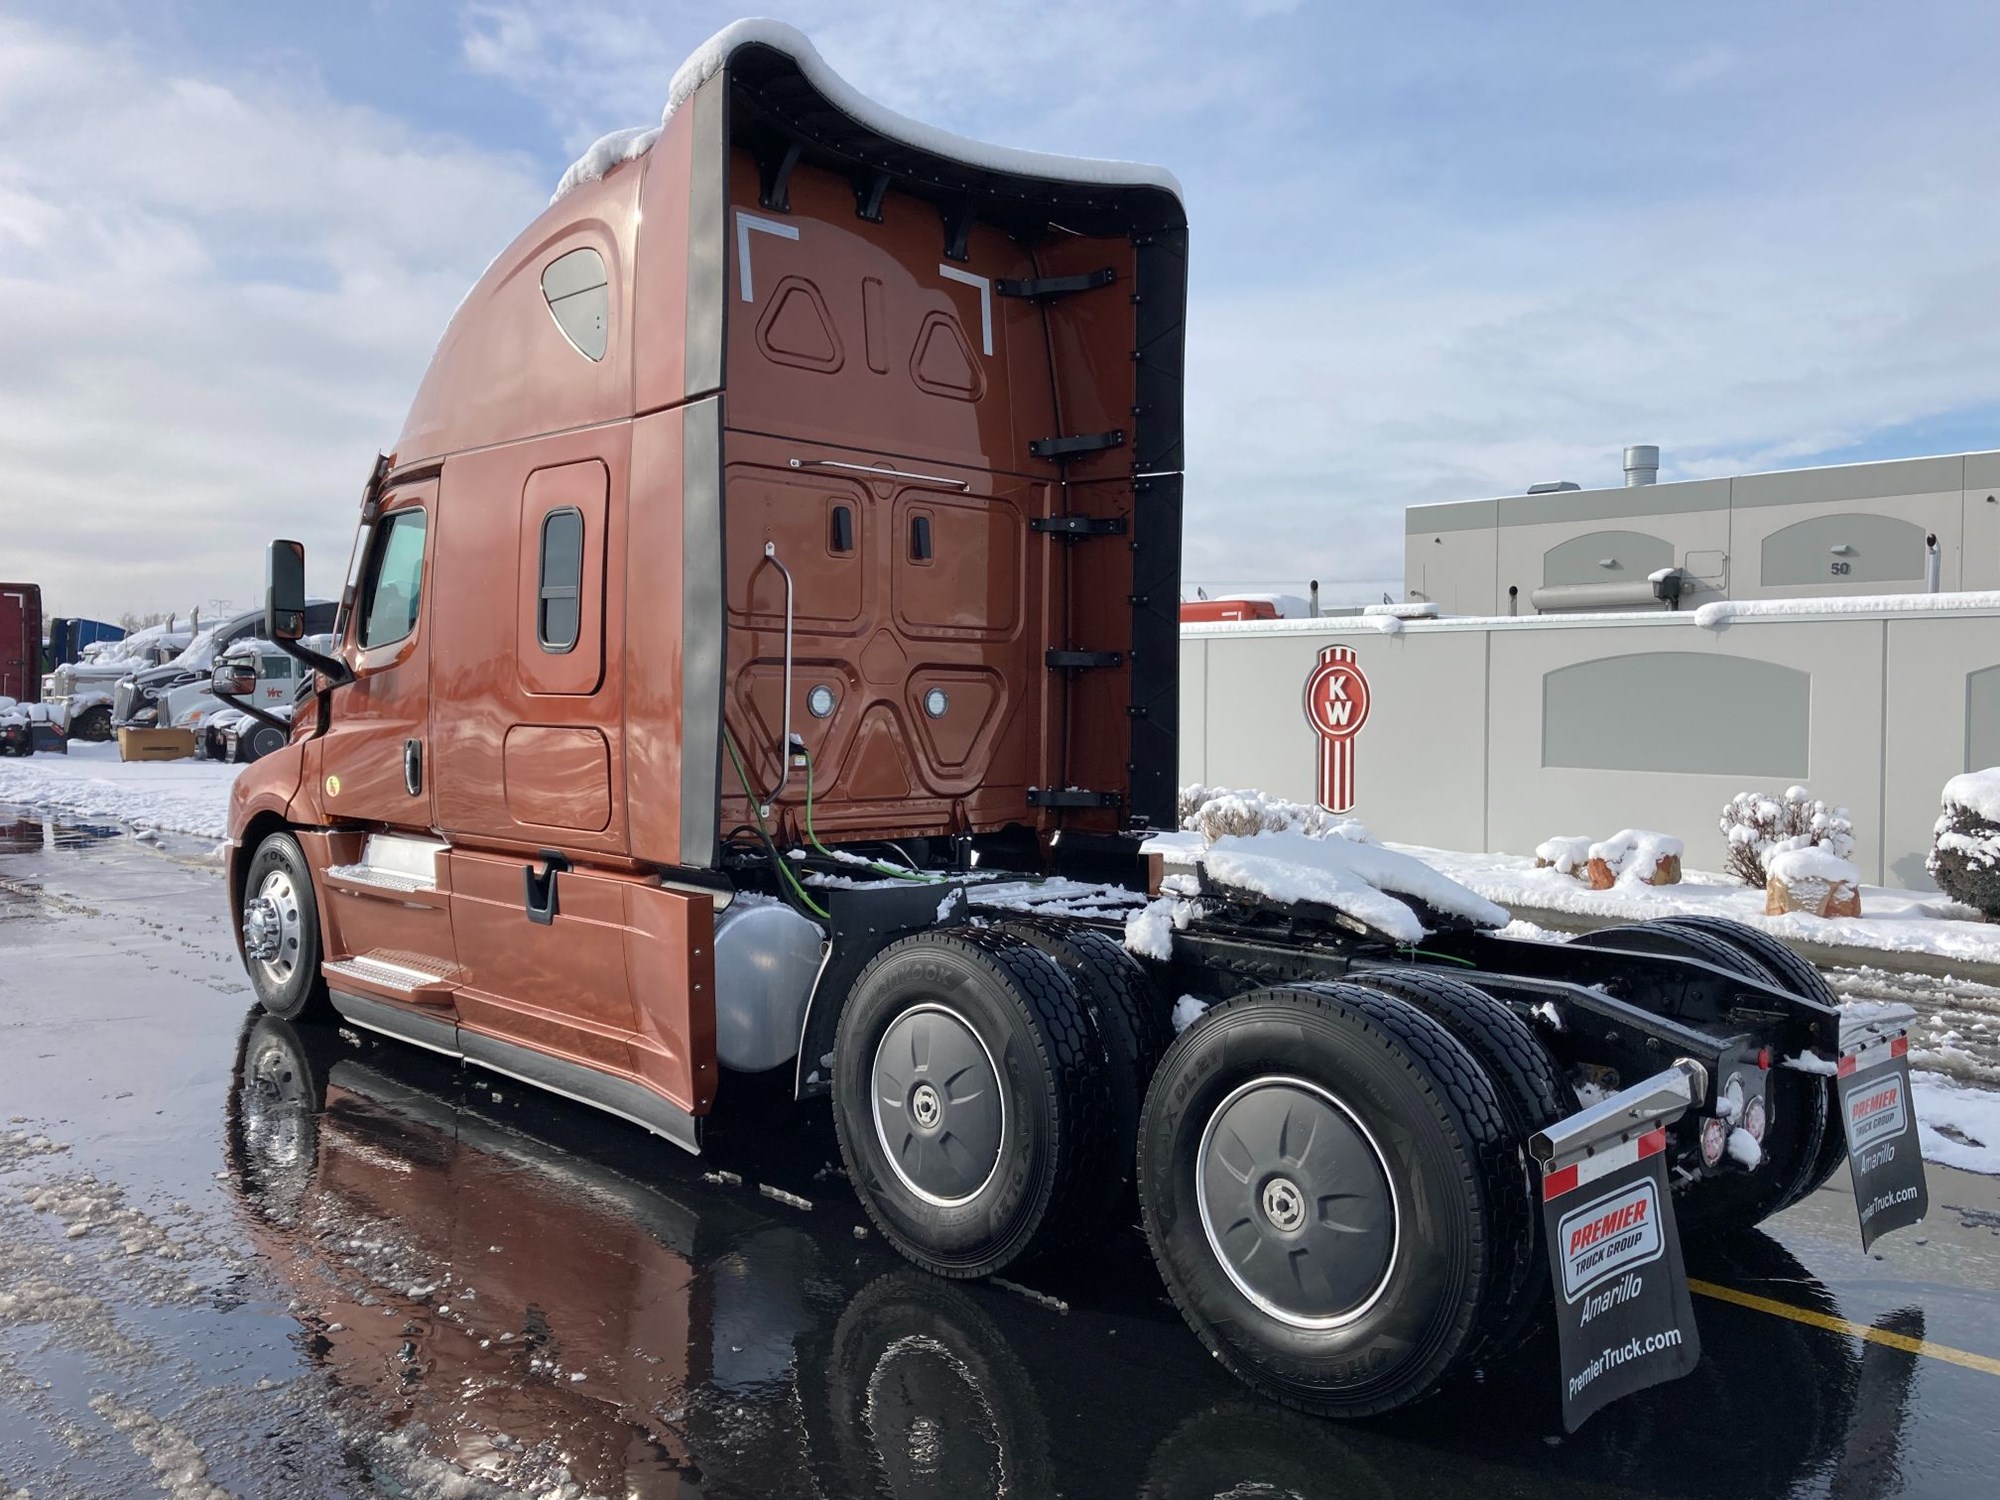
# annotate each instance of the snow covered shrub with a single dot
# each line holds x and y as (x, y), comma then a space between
(1759, 825)
(1965, 857)
(1217, 812)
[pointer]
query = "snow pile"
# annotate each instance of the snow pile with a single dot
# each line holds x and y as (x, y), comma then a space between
(1362, 881)
(1634, 855)
(173, 796)
(604, 153)
(1720, 612)
(1898, 921)
(1759, 825)
(1812, 862)
(709, 58)
(1411, 609)
(1188, 1010)
(1149, 931)
(1956, 1125)
(1217, 812)
(1566, 854)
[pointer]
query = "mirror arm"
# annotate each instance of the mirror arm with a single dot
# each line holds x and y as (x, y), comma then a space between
(336, 671)
(252, 710)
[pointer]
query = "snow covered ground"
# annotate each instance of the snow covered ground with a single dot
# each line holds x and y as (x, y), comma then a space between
(170, 796)
(1892, 922)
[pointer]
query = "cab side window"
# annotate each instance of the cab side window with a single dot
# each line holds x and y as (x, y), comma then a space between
(393, 590)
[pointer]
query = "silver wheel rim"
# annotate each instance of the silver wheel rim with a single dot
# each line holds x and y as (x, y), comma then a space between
(940, 1113)
(1297, 1203)
(282, 897)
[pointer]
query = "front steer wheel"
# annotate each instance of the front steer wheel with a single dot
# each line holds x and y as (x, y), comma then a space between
(1316, 1170)
(281, 932)
(971, 1104)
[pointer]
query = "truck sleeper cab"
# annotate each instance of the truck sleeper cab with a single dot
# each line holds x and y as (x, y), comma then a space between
(783, 543)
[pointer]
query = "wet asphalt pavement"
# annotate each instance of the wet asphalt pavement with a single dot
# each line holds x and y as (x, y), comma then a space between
(240, 1257)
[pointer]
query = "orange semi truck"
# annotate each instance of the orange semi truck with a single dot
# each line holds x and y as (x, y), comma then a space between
(760, 651)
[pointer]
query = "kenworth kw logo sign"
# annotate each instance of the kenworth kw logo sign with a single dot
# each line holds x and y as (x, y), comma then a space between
(1336, 707)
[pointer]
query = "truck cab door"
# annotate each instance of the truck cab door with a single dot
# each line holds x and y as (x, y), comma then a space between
(382, 872)
(371, 759)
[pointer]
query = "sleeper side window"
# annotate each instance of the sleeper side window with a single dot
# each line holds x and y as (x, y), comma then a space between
(559, 595)
(393, 591)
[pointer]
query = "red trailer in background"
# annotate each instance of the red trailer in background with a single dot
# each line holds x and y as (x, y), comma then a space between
(21, 641)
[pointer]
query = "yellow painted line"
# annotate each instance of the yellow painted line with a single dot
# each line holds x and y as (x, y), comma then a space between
(1883, 1336)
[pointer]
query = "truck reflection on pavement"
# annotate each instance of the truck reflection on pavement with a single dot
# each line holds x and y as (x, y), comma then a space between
(506, 1300)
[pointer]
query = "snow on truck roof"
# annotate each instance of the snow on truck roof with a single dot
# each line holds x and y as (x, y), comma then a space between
(860, 111)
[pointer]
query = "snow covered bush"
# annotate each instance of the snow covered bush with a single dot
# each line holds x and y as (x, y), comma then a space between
(1759, 825)
(1217, 812)
(1965, 856)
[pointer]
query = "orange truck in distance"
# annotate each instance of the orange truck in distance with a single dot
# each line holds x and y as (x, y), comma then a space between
(760, 651)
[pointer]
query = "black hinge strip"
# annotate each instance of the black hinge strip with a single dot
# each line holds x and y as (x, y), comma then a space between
(1041, 288)
(1039, 796)
(1083, 658)
(1083, 442)
(1078, 525)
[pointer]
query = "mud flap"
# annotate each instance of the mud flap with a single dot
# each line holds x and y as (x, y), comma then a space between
(1624, 1320)
(1880, 1119)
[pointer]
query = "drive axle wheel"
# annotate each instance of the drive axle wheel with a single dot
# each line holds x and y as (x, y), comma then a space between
(1795, 1103)
(1131, 1026)
(93, 724)
(281, 931)
(971, 1103)
(1802, 977)
(1315, 1165)
(1533, 1094)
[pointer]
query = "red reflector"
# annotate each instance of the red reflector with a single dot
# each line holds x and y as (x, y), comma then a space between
(1557, 1183)
(1847, 1064)
(1653, 1142)
(1899, 1046)
(1764, 1059)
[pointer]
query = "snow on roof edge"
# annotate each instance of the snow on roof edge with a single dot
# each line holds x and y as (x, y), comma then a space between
(709, 58)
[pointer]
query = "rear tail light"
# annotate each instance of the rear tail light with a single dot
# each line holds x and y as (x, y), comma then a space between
(1755, 1118)
(1714, 1140)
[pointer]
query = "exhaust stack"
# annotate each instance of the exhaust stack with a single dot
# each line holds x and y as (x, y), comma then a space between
(1642, 464)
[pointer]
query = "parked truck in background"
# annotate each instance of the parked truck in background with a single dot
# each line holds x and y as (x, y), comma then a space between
(20, 641)
(68, 636)
(760, 652)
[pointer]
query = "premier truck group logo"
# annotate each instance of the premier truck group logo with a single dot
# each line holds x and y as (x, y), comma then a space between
(1336, 707)
(1609, 1238)
(1875, 1112)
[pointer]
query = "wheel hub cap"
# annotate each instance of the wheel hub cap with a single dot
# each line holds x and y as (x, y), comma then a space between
(939, 1114)
(260, 929)
(1284, 1205)
(1297, 1203)
(272, 925)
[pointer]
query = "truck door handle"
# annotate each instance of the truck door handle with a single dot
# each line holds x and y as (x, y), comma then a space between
(413, 767)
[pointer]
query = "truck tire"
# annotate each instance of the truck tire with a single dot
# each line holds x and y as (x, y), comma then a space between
(1802, 977)
(1131, 1027)
(93, 724)
(272, 1128)
(970, 1101)
(1405, 1122)
(1796, 1103)
(1533, 1094)
(281, 944)
(258, 741)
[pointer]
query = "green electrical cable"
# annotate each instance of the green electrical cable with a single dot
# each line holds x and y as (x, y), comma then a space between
(1450, 958)
(784, 870)
(813, 838)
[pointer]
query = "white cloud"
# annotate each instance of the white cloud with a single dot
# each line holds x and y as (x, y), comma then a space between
(217, 299)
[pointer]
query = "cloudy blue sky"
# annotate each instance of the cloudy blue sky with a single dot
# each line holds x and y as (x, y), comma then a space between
(1440, 249)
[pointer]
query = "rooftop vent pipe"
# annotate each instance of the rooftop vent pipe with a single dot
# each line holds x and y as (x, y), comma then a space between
(1642, 464)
